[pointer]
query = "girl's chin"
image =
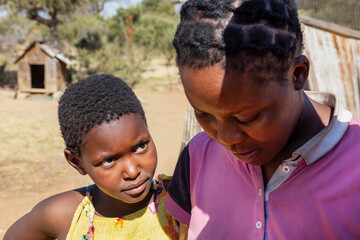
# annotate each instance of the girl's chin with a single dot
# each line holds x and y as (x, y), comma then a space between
(145, 195)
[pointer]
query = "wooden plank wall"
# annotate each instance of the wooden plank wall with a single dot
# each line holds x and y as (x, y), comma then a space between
(335, 63)
(51, 75)
(24, 76)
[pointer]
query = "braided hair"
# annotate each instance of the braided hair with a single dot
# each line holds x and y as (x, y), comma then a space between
(93, 101)
(216, 31)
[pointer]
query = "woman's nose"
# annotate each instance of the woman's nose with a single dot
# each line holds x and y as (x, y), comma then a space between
(131, 169)
(228, 134)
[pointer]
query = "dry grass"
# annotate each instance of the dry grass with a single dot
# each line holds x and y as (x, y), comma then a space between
(31, 146)
(32, 166)
(30, 143)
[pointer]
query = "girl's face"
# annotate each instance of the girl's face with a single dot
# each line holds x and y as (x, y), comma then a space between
(253, 121)
(120, 157)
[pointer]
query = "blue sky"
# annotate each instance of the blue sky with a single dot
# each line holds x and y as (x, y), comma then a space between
(2, 13)
(111, 6)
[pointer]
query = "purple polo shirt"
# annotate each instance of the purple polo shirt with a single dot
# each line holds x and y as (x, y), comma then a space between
(313, 195)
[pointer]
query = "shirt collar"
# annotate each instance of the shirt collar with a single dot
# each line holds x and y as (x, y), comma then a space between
(328, 137)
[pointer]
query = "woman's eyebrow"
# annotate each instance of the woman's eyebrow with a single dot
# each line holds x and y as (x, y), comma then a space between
(249, 108)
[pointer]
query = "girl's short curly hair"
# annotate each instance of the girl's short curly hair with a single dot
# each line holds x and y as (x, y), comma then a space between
(93, 101)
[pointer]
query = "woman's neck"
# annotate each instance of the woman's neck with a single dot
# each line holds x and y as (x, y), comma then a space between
(106, 206)
(312, 119)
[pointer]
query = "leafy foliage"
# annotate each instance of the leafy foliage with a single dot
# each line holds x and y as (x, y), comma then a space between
(14, 29)
(123, 13)
(120, 24)
(156, 33)
(51, 7)
(162, 7)
(121, 45)
(44, 11)
(84, 30)
(126, 62)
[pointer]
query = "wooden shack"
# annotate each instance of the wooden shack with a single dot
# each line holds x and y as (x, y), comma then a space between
(41, 69)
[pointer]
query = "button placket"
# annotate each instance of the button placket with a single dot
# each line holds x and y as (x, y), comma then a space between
(286, 168)
(258, 224)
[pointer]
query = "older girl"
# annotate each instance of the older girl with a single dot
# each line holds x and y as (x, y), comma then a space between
(274, 162)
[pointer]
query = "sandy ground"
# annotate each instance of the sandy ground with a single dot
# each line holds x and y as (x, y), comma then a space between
(32, 166)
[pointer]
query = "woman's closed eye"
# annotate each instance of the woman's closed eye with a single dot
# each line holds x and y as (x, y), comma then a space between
(247, 119)
(199, 114)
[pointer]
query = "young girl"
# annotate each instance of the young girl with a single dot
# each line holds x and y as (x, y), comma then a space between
(104, 128)
(274, 162)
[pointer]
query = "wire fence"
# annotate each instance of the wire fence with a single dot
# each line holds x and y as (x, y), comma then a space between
(342, 12)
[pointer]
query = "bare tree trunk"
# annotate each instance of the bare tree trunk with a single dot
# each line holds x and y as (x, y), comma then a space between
(51, 23)
(54, 36)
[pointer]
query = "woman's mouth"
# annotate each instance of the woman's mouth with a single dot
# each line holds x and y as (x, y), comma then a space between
(245, 156)
(136, 188)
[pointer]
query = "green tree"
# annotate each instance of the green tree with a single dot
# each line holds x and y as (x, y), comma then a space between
(127, 62)
(86, 31)
(44, 11)
(124, 13)
(117, 31)
(97, 6)
(14, 29)
(164, 7)
(155, 32)
(121, 25)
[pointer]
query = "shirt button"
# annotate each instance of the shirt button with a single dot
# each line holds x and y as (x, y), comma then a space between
(286, 168)
(258, 224)
(260, 192)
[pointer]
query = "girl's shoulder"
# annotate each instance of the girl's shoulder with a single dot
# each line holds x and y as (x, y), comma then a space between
(60, 208)
(50, 218)
(62, 203)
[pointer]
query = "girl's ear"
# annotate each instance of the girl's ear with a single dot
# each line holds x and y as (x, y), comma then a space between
(74, 161)
(300, 71)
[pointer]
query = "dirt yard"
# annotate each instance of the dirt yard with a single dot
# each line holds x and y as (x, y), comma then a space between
(32, 166)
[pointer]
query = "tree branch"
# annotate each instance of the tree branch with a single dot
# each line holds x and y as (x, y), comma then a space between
(33, 15)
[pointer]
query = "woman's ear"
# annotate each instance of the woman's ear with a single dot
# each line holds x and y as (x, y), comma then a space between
(74, 161)
(300, 71)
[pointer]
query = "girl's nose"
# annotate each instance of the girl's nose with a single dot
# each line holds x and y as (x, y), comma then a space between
(228, 134)
(131, 169)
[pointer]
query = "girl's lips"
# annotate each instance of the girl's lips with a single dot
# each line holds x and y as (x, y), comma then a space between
(135, 189)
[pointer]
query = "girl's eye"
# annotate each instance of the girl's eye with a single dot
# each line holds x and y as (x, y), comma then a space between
(108, 162)
(141, 147)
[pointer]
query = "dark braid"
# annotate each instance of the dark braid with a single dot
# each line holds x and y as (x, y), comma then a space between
(212, 31)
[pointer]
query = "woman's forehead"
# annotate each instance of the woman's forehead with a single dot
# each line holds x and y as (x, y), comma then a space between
(258, 71)
(215, 88)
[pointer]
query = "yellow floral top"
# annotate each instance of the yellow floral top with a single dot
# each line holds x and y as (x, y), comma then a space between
(151, 222)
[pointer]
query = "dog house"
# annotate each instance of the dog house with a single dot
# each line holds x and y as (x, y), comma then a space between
(41, 69)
